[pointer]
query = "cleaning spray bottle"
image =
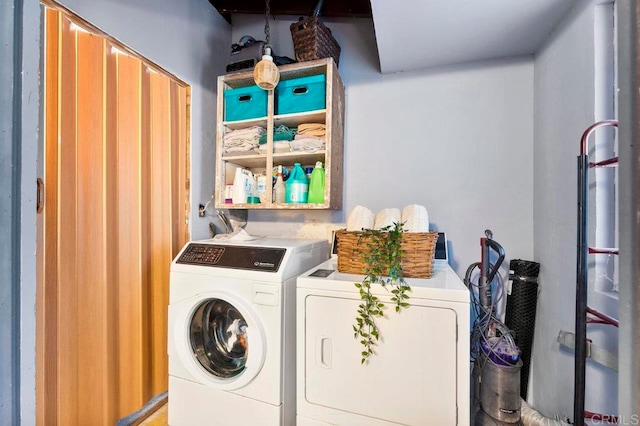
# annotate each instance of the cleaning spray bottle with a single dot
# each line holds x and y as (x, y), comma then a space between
(279, 190)
(316, 186)
(297, 185)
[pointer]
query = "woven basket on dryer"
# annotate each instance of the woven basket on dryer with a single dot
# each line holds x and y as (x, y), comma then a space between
(418, 252)
(313, 40)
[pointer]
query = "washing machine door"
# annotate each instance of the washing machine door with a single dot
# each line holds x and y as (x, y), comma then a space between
(223, 341)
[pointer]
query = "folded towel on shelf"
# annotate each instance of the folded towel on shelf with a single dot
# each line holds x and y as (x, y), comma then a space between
(278, 146)
(281, 133)
(242, 140)
(307, 145)
(244, 149)
(239, 146)
(312, 129)
(253, 132)
(276, 138)
(299, 136)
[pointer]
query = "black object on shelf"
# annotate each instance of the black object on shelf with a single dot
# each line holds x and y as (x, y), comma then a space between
(521, 312)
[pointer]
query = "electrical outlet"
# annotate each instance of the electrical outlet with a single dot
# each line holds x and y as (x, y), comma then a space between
(201, 210)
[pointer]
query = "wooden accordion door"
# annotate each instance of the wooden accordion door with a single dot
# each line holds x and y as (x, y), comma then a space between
(115, 214)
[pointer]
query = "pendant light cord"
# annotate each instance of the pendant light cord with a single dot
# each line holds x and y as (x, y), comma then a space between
(267, 34)
(265, 73)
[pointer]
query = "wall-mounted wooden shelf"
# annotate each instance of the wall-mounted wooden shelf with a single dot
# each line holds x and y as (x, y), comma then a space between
(331, 157)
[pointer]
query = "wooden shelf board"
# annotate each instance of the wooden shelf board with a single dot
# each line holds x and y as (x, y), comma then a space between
(295, 119)
(243, 124)
(304, 158)
(287, 72)
(303, 69)
(281, 158)
(249, 161)
(324, 206)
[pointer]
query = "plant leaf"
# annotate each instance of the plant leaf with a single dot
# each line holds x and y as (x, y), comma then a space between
(381, 252)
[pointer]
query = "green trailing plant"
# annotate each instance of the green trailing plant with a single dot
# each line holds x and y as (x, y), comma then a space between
(383, 265)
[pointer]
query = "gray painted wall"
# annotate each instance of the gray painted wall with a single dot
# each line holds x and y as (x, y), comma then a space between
(10, 44)
(565, 93)
(629, 405)
(19, 122)
(30, 137)
(458, 140)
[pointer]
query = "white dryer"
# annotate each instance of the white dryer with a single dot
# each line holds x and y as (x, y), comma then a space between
(420, 372)
(231, 340)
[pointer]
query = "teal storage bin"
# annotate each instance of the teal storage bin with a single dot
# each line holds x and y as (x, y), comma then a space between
(245, 103)
(301, 94)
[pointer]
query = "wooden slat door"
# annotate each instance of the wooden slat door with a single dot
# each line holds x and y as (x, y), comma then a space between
(116, 200)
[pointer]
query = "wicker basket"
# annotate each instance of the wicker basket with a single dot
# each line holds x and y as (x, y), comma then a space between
(418, 252)
(313, 40)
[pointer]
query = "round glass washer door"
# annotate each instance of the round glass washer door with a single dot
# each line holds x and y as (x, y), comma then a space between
(225, 341)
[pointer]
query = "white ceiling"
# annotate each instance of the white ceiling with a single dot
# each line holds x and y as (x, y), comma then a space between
(414, 34)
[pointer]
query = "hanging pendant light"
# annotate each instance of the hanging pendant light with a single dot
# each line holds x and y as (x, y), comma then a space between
(266, 73)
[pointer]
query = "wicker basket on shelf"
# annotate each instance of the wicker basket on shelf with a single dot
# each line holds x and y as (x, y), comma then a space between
(418, 252)
(313, 40)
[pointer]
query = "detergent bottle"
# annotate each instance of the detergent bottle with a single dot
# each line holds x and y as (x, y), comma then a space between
(297, 185)
(239, 194)
(243, 186)
(316, 186)
(261, 188)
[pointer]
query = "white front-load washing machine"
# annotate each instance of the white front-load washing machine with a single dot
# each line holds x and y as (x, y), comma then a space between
(231, 340)
(419, 374)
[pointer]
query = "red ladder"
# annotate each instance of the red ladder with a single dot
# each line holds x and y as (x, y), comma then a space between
(583, 250)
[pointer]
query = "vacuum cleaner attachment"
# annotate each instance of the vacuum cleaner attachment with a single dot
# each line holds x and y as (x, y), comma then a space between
(521, 312)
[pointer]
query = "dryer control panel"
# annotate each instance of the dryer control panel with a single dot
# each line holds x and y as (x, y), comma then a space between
(265, 259)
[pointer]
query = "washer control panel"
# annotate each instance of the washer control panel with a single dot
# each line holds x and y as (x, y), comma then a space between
(265, 259)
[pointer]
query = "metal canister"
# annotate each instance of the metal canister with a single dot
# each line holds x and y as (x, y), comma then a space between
(500, 390)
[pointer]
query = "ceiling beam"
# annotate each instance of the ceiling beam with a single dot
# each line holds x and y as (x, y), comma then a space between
(330, 8)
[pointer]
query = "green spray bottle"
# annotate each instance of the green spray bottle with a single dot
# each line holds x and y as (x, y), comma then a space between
(316, 186)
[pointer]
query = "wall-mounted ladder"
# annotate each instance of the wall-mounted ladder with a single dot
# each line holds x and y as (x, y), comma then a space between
(585, 314)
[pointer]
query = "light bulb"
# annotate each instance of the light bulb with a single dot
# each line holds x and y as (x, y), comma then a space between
(266, 73)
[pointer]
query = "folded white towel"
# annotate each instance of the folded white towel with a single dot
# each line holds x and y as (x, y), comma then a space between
(307, 145)
(251, 132)
(303, 136)
(360, 218)
(415, 218)
(247, 147)
(242, 139)
(278, 146)
(387, 217)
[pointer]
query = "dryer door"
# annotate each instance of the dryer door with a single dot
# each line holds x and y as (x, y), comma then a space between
(411, 379)
(220, 340)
